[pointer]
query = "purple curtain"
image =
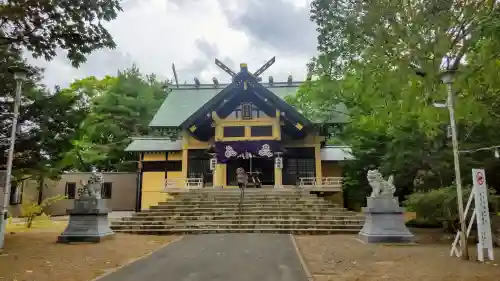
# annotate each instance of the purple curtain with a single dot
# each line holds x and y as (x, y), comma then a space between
(231, 149)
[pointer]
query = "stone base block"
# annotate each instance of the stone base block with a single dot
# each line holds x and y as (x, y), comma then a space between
(371, 238)
(385, 222)
(88, 222)
(83, 239)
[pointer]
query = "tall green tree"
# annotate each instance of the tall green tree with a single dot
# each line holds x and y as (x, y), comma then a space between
(47, 125)
(47, 120)
(44, 26)
(383, 61)
(123, 108)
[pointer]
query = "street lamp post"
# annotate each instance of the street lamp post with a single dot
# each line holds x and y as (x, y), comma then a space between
(447, 78)
(19, 77)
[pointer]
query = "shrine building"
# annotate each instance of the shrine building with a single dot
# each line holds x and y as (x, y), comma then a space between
(246, 123)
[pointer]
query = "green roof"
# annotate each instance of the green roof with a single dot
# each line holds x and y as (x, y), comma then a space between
(183, 102)
(154, 144)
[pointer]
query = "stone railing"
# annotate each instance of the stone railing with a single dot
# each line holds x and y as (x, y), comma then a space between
(324, 182)
(184, 183)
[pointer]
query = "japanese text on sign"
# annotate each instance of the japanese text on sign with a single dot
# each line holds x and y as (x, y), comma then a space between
(480, 191)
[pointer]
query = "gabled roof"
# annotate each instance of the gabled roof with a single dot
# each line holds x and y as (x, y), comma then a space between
(153, 144)
(184, 101)
(234, 92)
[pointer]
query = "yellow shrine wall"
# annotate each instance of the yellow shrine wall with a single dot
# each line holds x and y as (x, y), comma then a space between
(274, 121)
(153, 183)
(331, 169)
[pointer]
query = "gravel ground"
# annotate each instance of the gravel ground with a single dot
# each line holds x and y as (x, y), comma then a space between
(35, 256)
(344, 258)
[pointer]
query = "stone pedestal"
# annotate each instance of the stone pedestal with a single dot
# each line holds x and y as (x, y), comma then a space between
(384, 221)
(88, 222)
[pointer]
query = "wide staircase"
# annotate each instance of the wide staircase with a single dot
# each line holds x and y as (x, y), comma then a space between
(261, 210)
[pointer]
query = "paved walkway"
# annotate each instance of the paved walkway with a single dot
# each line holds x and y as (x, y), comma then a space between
(221, 257)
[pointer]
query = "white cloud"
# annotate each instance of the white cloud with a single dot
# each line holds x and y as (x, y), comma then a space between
(153, 34)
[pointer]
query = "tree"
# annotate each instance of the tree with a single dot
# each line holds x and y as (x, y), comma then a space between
(123, 107)
(47, 123)
(44, 26)
(419, 35)
(383, 61)
(56, 119)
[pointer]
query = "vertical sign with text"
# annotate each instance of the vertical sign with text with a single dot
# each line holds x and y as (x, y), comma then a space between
(482, 214)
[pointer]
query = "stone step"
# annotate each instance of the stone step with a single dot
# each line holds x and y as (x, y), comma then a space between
(237, 192)
(210, 225)
(245, 213)
(311, 231)
(246, 203)
(236, 220)
(214, 212)
(262, 202)
(237, 199)
(342, 216)
(249, 207)
(269, 205)
(247, 190)
(263, 211)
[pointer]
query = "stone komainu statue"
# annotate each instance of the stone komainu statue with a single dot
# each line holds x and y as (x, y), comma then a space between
(93, 187)
(380, 187)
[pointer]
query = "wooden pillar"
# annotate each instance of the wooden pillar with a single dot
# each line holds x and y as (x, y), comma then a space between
(317, 159)
(185, 163)
(278, 177)
(185, 146)
(220, 175)
(214, 176)
(138, 194)
(278, 172)
(277, 126)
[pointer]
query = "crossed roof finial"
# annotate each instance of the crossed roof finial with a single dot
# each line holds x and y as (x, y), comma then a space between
(257, 73)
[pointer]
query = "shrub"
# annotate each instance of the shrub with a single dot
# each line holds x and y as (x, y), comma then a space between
(422, 224)
(439, 206)
(31, 209)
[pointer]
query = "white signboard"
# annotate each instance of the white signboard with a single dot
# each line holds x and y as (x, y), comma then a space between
(480, 191)
(278, 163)
(213, 163)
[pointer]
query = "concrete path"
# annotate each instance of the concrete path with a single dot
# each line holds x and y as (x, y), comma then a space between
(221, 257)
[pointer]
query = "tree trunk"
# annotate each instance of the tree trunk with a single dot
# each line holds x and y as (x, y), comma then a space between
(41, 182)
(29, 220)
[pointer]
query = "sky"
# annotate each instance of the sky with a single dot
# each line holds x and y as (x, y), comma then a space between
(153, 34)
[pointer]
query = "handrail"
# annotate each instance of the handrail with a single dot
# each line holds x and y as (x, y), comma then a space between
(242, 197)
(323, 182)
(184, 183)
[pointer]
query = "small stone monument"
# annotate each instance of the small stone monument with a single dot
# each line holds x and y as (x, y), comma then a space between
(88, 220)
(384, 218)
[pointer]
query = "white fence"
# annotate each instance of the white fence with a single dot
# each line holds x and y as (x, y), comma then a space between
(184, 183)
(324, 182)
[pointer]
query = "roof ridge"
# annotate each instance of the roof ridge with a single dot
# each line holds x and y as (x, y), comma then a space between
(223, 85)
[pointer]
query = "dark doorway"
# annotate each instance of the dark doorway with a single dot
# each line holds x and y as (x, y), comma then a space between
(298, 162)
(199, 166)
(263, 165)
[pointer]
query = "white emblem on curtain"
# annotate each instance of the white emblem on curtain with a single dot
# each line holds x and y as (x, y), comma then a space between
(245, 155)
(266, 151)
(230, 152)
